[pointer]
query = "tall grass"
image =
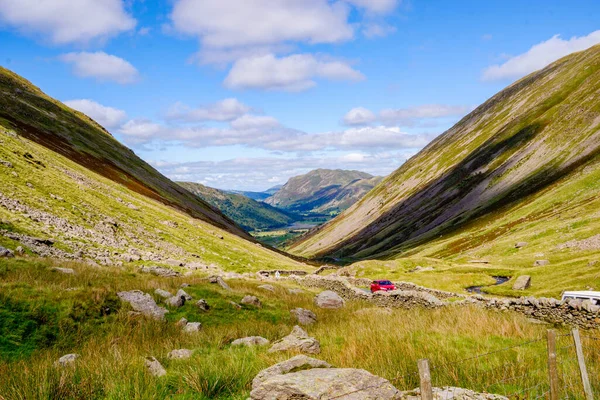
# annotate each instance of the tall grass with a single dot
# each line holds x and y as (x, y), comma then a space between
(113, 347)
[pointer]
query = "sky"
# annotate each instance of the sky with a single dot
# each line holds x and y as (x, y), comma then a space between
(244, 94)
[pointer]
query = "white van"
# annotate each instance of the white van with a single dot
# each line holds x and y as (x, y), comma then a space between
(594, 297)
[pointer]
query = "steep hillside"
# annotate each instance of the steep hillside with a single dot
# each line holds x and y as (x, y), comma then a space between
(323, 191)
(519, 167)
(43, 120)
(249, 214)
(60, 198)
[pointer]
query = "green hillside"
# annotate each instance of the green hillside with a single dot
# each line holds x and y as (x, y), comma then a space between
(249, 214)
(523, 166)
(69, 190)
(323, 191)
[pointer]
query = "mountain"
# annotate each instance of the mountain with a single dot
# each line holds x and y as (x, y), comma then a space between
(249, 214)
(523, 166)
(69, 190)
(323, 191)
(258, 196)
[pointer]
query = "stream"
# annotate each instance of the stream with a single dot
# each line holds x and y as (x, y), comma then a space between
(499, 281)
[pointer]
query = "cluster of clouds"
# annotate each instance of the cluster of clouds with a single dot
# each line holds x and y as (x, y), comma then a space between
(407, 117)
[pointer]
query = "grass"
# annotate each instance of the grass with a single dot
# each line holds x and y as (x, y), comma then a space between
(112, 344)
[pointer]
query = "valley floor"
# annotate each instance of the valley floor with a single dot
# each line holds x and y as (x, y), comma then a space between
(45, 314)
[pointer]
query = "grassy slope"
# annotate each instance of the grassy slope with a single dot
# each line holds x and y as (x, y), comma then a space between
(249, 214)
(32, 114)
(88, 321)
(87, 201)
(521, 167)
(323, 191)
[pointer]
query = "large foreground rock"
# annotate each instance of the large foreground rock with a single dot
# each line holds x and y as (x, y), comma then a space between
(522, 282)
(329, 299)
(300, 362)
(143, 303)
(451, 393)
(323, 383)
(297, 340)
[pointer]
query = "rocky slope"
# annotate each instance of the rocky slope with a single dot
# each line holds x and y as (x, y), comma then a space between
(69, 190)
(27, 111)
(522, 166)
(323, 191)
(249, 214)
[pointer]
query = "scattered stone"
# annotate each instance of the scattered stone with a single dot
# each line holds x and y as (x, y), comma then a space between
(235, 305)
(270, 288)
(522, 282)
(29, 185)
(163, 293)
(418, 268)
(325, 383)
(184, 285)
(300, 362)
(159, 271)
(295, 291)
(19, 250)
(540, 263)
(202, 305)
(304, 317)
(68, 271)
(175, 263)
(251, 301)
(297, 340)
(180, 354)
(251, 341)
(4, 252)
(519, 245)
(329, 299)
(450, 393)
(133, 207)
(7, 164)
(182, 322)
(144, 303)
(155, 367)
(175, 301)
(67, 360)
(218, 280)
(171, 224)
(183, 294)
(192, 327)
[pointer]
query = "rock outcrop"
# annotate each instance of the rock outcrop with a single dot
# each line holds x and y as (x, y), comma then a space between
(143, 303)
(251, 301)
(300, 362)
(297, 340)
(251, 341)
(450, 393)
(329, 299)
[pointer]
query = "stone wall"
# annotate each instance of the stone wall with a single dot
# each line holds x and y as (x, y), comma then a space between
(568, 312)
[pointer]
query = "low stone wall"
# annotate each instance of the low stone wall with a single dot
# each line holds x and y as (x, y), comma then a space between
(282, 272)
(393, 299)
(568, 312)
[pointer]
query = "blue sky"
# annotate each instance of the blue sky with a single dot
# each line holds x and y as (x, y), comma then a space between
(243, 94)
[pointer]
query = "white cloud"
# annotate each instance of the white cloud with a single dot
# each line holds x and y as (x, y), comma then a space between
(254, 122)
(292, 73)
(359, 116)
(224, 110)
(102, 66)
(234, 23)
(407, 116)
(373, 30)
(539, 56)
(67, 21)
(108, 117)
(375, 6)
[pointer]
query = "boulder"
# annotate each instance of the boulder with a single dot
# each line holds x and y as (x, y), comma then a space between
(270, 288)
(329, 299)
(163, 293)
(144, 303)
(19, 250)
(300, 362)
(183, 294)
(325, 383)
(155, 367)
(202, 305)
(450, 393)
(304, 317)
(182, 322)
(179, 354)
(192, 327)
(522, 282)
(297, 340)
(540, 263)
(4, 252)
(67, 271)
(175, 301)
(66, 360)
(159, 271)
(219, 281)
(250, 341)
(235, 305)
(519, 245)
(295, 291)
(251, 301)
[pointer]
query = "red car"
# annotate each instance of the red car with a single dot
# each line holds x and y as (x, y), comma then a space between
(382, 285)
